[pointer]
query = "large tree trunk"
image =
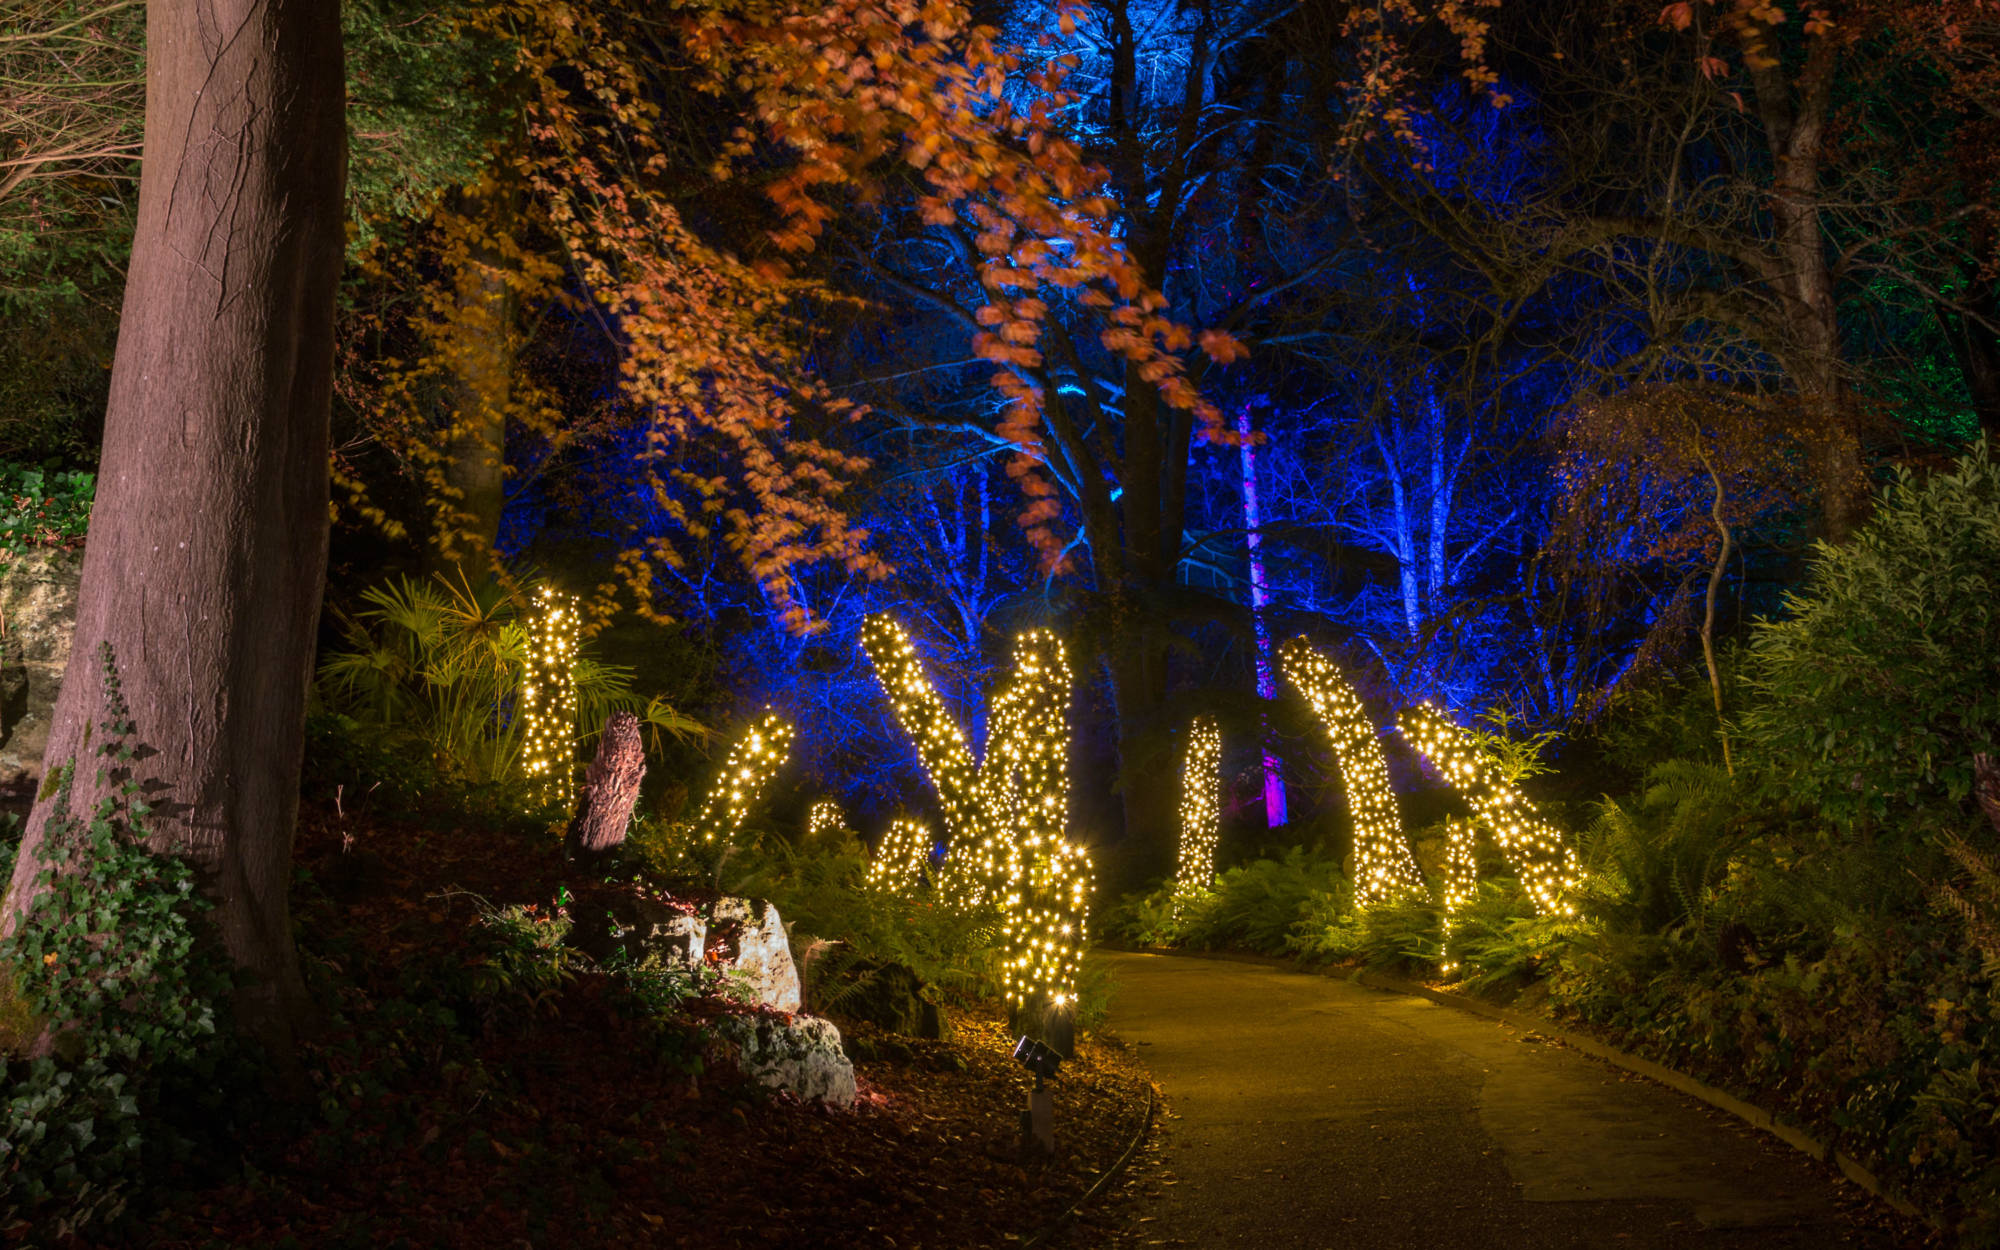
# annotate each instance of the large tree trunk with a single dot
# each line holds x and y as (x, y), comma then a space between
(1795, 113)
(479, 349)
(1976, 348)
(207, 547)
(1148, 782)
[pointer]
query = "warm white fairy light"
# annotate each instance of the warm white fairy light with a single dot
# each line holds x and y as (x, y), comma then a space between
(1006, 818)
(941, 749)
(1201, 809)
(824, 820)
(548, 697)
(1541, 858)
(898, 864)
(1461, 870)
(752, 762)
(1384, 869)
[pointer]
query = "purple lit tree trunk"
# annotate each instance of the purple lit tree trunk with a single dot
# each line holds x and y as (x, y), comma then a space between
(1267, 687)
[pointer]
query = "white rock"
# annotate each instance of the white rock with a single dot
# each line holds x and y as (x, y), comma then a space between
(803, 1055)
(763, 952)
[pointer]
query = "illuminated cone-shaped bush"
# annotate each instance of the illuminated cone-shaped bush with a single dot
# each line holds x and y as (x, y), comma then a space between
(824, 821)
(753, 761)
(899, 862)
(1383, 866)
(1006, 818)
(1536, 850)
(548, 697)
(1201, 808)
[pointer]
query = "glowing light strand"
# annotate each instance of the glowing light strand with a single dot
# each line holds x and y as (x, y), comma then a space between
(1006, 817)
(1201, 810)
(1384, 869)
(1536, 850)
(898, 864)
(752, 762)
(1461, 869)
(824, 820)
(548, 698)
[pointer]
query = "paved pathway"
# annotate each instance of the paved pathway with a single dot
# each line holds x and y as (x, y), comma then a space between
(1315, 1113)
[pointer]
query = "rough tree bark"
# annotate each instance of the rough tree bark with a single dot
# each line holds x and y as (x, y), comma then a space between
(610, 788)
(480, 351)
(1796, 112)
(208, 542)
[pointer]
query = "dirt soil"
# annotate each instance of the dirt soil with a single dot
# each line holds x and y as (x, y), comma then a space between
(572, 1123)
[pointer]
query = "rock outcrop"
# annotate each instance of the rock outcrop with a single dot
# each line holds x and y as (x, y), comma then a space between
(800, 1054)
(762, 954)
(37, 620)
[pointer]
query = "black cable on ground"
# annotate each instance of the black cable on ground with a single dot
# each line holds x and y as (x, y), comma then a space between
(1042, 1234)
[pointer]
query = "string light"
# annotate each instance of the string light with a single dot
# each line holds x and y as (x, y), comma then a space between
(1201, 810)
(548, 699)
(1384, 869)
(752, 762)
(824, 819)
(1006, 818)
(941, 749)
(1541, 858)
(1461, 870)
(899, 862)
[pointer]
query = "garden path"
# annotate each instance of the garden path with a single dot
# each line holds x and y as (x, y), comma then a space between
(1311, 1112)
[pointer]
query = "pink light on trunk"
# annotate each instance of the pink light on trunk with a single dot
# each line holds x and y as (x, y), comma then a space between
(1267, 686)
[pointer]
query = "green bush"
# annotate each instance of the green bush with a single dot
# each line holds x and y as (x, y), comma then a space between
(107, 964)
(1872, 695)
(42, 506)
(1652, 863)
(1255, 906)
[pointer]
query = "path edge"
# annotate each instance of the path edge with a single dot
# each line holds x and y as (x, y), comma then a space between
(1104, 1178)
(1755, 1116)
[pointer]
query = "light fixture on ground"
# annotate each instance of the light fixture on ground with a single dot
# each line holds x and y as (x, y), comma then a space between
(1038, 1122)
(1384, 869)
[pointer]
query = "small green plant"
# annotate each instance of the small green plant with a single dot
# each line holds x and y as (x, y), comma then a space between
(113, 991)
(1517, 755)
(1256, 905)
(42, 506)
(526, 962)
(1155, 917)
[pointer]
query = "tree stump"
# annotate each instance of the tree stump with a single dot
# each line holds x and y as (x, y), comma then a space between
(610, 788)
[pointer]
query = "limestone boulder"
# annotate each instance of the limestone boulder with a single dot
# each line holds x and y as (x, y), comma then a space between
(37, 621)
(797, 1053)
(676, 938)
(628, 928)
(753, 945)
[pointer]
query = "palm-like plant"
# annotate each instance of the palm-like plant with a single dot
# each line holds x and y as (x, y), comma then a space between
(439, 663)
